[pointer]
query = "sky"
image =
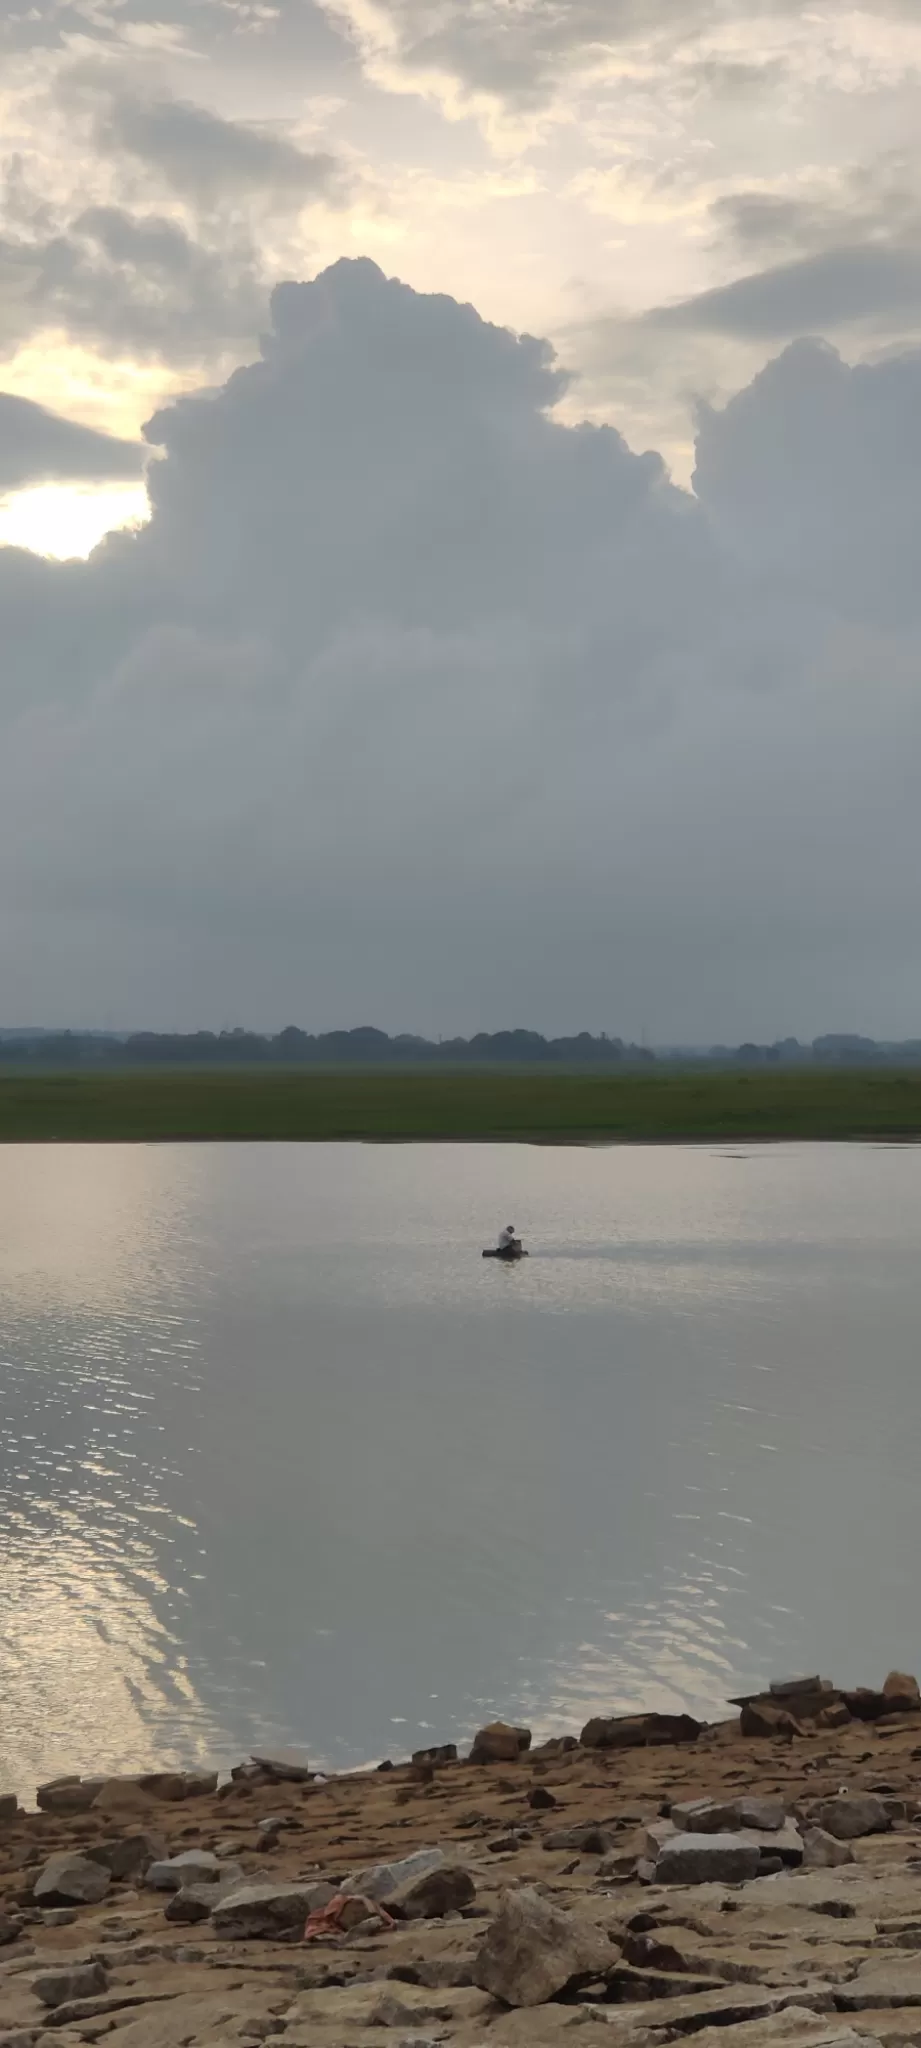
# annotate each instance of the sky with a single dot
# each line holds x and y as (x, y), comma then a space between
(460, 476)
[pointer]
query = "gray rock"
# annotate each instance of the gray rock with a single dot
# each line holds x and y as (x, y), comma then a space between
(58, 1987)
(622, 1863)
(788, 1688)
(193, 1903)
(851, 1815)
(199, 1784)
(724, 1816)
(381, 1880)
(533, 1951)
(447, 1889)
(9, 1806)
(639, 1731)
(785, 1844)
(289, 1766)
(706, 1816)
(655, 1836)
(129, 1855)
(500, 1744)
(59, 1916)
(71, 1880)
(763, 1718)
(68, 1795)
(824, 1852)
(256, 1910)
(193, 1866)
(167, 1785)
(767, 1814)
(880, 1982)
(708, 1859)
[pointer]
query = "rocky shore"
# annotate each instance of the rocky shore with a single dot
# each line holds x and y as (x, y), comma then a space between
(752, 1883)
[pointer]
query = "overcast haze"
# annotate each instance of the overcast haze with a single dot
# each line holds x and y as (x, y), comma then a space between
(428, 696)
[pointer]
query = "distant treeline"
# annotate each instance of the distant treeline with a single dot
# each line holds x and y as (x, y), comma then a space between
(367, 1047)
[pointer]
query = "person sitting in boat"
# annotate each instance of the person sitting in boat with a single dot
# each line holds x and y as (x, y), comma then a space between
(508, 1241)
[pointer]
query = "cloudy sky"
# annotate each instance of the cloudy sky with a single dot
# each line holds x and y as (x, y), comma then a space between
(527, 629)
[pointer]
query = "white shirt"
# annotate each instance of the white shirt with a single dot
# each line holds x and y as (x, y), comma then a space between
(506, 1237)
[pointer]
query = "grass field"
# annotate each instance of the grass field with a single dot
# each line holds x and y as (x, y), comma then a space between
(529, 1105)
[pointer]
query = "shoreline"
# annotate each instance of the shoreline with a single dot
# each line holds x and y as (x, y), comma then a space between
(533, 1107)
(750, 1882)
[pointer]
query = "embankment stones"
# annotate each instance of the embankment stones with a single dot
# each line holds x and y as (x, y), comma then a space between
(852, 1815)
(262, 1910)
(381, 1880)
(193, 1866)
(707, 1859)
(533, 1951)
(638, 1731)
(823, 1852)
(58, 1987)
(286, 1766)
(194, 1902)
(68, 1795)
(447, 1889)
(71, 1880)
(129, 1855)
(500, 1744)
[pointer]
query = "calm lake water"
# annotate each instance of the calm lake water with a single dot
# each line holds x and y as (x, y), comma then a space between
(283, 1459)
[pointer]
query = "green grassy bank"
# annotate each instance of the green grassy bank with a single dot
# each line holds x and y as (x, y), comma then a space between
(523, 1104)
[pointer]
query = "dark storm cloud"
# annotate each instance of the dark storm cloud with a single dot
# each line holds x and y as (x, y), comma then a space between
(876, 203)
(122, 281)
(206, 159)
(37, 446)
(178, 267)
(412, 703)
(836, 288)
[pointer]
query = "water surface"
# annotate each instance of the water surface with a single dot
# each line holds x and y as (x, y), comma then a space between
(282, 1459)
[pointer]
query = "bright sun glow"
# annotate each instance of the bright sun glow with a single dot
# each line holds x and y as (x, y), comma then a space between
(68, 519)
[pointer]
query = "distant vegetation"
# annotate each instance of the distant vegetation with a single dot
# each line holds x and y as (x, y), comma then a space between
(368, 1048)
(530, 1104)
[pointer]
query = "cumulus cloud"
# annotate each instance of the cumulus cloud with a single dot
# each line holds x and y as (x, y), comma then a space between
(37, 446)
(409, 689)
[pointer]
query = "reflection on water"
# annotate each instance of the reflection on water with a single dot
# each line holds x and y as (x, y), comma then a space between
(282, 1458)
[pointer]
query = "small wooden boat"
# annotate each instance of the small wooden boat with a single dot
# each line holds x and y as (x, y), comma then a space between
(508, 1252)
